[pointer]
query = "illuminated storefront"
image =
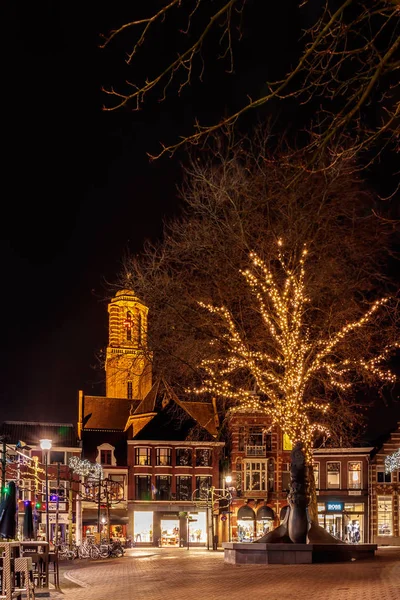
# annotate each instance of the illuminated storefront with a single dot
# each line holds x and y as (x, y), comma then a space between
(162, 528)
(343, 520)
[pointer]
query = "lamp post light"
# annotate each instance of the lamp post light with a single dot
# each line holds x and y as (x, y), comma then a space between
(46, 447)
(227, 482)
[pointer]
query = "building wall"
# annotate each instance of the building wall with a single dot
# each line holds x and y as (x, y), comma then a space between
(385, 489)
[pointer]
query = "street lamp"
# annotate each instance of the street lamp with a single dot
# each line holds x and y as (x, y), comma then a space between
(227, 482)
(46, 447)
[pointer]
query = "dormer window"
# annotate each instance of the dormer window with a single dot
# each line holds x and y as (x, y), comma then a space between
(106, 456)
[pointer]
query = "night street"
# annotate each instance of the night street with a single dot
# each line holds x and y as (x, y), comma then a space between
(155, 574)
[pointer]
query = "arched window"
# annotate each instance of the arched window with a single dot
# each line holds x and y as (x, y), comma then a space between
(128, 324)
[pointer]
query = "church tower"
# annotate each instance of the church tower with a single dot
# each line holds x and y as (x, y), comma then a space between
(128, 360)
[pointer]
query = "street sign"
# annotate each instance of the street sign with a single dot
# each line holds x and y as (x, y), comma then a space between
(223, 518)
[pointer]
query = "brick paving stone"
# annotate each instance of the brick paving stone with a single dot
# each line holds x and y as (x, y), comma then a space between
(197, 574)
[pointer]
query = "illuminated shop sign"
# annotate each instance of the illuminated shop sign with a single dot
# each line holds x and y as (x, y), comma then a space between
(334, 506)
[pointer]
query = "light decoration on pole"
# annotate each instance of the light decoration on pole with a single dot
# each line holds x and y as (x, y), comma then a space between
(294, 358)
(45, 445)
(392, 462)
(85, 468)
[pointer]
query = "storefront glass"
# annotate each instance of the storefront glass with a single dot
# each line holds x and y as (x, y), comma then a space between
(263, 526)
(346, 524)
(385, 515)
(245, 531)
(170, 533)
(198, 528)
(143, 526)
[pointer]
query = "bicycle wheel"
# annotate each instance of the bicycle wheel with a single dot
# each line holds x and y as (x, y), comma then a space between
(94, 552)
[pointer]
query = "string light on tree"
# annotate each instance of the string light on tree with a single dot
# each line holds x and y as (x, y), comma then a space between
(392, 462)
(296, 355)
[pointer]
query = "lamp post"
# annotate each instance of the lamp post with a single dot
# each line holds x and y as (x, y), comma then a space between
(46, 447)
(228, 480)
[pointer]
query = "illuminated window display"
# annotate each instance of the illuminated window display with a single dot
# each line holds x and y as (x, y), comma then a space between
(198, 528)
(385, 515)
(143, 526)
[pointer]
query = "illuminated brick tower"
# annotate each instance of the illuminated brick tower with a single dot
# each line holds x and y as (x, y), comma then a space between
(128, 360)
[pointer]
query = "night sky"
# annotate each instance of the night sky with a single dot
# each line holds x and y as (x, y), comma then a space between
(78, 189)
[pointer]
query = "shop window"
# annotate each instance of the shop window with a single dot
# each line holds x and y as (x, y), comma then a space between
(203, 457)
(142, 456)
(142, 526)
(385, 515)
(163, 457)
(354, 475)
(255, 475)
(184, 487)
(163, 487)
(285, 476)
(382, 476)
(56, 457)
(203, 485)
(316, 475)
(333, 475)
(184, 457)
(143, 487)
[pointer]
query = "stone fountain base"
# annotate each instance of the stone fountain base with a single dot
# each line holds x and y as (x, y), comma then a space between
(237, 553)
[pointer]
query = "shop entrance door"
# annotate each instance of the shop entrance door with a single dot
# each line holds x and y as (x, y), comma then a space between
(333, 523)
(170, 534)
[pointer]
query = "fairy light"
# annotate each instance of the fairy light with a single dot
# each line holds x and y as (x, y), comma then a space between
(282, 376)
(86, 468)
(392, 462)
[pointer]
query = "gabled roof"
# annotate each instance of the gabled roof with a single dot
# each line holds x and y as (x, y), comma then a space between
(62, 435)
(170, 423)
(104, 413)
(148, 404)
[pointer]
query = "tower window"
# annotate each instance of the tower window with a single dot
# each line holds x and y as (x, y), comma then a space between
(128, 324)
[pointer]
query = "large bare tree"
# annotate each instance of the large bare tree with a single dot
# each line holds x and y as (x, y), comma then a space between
(239, 197)
(344, 65)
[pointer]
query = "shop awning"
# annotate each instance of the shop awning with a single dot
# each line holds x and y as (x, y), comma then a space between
(246, 513)
(265, 512)
(117, 517)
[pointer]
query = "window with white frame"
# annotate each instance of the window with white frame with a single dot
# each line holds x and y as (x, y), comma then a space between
(333, 475)
(116, 490)
(255, 475)
(354, 475)
(382, 476)
(163, 457)
(25, 489)
(385, 515)
(105, 455)
(142, 456)
(316, 474)
(285, 476)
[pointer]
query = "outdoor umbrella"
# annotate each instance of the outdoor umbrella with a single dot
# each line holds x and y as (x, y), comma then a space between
(8, 513)
(28, 521)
